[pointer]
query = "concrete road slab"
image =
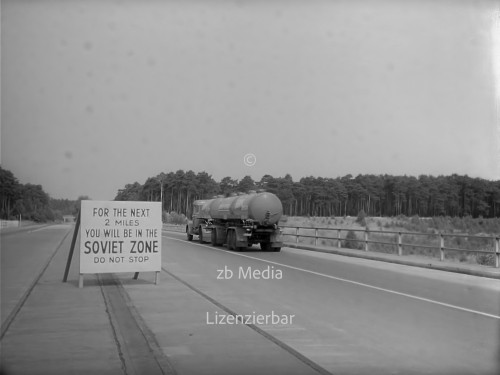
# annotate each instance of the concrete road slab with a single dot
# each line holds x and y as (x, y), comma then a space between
(178, 317)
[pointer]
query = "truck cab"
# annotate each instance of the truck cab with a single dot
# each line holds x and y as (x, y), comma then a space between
(200, 221)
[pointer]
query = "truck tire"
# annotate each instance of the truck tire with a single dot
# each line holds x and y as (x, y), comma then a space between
(231, 240)
(276, 249)
(265, 246)
(189, 236)
(236, 247)
(213, 237)
(200, 234)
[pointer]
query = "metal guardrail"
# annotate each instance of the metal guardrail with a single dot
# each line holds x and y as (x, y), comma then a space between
(9, 223)
(440, 245)
(175, 227)
(399, 242)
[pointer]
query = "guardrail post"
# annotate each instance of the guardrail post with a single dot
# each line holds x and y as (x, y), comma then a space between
(497, 252)
(441, 246)
(400, 246)
(366, 239)
(315, 236)
(297, 235)
(338, 239)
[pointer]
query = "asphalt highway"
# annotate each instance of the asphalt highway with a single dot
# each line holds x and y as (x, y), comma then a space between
(225, 312)
(352, 315)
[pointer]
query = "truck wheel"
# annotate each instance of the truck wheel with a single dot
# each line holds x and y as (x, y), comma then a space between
(189, 236)
(265, 246)
(231, 239)
(236, 247)
(213, 237)
(200, 235)
(276, 249)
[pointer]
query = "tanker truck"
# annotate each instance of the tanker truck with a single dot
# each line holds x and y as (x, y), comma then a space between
(239, 221)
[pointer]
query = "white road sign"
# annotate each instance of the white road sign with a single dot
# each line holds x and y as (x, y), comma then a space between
(120, 236)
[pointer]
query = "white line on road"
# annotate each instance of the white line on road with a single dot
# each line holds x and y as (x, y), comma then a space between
(348, 281)
(50, 227)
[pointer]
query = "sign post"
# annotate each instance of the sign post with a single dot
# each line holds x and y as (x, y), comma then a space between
(72, 248)
(120, 236)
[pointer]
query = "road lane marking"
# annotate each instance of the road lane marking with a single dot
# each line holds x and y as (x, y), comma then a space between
(50, 227)
(348, 281)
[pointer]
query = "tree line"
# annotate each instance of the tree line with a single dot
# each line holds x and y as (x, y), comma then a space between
(30, 201)
(376, 195)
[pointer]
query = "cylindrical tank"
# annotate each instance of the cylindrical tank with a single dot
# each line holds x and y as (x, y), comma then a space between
(265, 208)
(204, 210)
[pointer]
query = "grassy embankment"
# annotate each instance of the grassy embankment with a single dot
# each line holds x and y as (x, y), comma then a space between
(457, 227)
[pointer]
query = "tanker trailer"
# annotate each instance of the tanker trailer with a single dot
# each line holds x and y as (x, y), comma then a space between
(243, 220)
(199, 224)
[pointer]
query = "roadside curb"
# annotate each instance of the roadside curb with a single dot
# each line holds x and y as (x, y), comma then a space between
(17, 230)
(431, 264)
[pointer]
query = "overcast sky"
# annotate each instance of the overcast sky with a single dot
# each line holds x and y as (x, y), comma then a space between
(98, 94)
